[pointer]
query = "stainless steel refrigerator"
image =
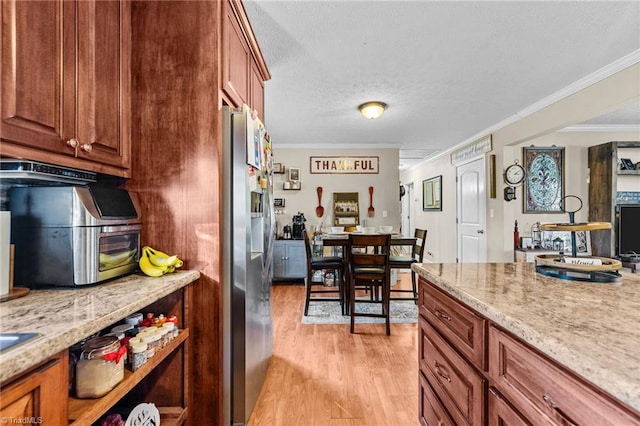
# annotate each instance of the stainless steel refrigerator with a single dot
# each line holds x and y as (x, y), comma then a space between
(248, 234)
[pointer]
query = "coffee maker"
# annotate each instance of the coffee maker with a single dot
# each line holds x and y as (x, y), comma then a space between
(298, 226)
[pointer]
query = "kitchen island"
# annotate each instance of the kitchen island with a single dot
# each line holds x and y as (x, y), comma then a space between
(513, 325)
(64, 317)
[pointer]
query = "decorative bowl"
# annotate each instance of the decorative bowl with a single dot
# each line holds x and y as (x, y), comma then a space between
(386, 229)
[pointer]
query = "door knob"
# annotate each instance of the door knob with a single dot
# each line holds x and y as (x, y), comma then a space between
(73, 142)
(86, 147)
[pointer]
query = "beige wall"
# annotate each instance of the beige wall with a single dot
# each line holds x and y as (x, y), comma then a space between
(538, 128)
(386, 185)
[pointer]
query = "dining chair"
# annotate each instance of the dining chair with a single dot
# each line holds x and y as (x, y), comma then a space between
(368, 265)
(405, 262)
(324, 263)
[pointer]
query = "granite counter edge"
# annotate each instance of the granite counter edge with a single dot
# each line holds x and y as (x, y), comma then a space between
(33, 352)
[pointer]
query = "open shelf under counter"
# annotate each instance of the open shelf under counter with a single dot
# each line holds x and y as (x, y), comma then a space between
(87, 411)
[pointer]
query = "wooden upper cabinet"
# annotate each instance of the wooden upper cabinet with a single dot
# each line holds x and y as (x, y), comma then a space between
(38, 87)
(235, 58)
(257, 92)
(243, 68)
(66, 83)
(104, 70)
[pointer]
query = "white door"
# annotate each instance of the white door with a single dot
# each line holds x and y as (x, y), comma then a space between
(471, 212)
(408, 211)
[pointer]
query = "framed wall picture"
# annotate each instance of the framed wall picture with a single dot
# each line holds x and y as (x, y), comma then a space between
(544, 183)
(432, 194)
(627, 164)
(294, 174)
(278, 168)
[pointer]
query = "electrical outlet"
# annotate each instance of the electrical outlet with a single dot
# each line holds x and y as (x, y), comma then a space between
(384, 213)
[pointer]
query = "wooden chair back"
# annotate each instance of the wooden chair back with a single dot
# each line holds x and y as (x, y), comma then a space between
(368, 252)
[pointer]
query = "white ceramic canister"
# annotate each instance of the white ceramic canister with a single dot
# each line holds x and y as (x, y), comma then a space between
(123, 328)
(134, 319)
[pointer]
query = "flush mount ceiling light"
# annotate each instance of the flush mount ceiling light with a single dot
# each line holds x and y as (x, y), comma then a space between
(372, 110)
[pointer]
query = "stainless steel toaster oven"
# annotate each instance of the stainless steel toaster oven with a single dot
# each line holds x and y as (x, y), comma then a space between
(73, 235)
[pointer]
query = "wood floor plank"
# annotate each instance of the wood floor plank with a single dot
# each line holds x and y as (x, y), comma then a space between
(322, 375)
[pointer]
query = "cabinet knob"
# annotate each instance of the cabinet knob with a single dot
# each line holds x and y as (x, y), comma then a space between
(73, 142)
(86, 147)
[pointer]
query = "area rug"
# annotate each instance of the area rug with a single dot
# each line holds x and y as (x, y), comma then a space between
(331, 313)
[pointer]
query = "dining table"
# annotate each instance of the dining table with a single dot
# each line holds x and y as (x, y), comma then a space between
(341, 240)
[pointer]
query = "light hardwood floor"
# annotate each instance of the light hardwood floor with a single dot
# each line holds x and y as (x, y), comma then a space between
(322, 375)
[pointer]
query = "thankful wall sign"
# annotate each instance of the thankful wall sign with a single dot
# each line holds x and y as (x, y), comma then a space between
(345, 165)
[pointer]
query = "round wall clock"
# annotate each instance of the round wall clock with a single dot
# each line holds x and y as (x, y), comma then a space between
(514, 174)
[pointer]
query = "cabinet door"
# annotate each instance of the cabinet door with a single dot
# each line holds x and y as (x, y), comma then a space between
(104, 33)
(296, 260)
(235, 58)
(501, 413)
(279, 259)
(37, 76)
(257, 91)
(40, 396)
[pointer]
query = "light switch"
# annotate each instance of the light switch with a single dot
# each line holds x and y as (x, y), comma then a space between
(384, 213)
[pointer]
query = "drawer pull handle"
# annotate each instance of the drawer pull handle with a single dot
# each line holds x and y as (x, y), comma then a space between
(442, 315)
(442, 374)
(556, 410)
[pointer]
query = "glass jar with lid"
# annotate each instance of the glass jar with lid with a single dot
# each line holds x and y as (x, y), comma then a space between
(100, 368)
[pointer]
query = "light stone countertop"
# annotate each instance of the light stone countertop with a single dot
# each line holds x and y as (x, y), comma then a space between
(64, 317)
(592, 329)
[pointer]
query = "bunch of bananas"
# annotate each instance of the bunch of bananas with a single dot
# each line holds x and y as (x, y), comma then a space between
(155, 263)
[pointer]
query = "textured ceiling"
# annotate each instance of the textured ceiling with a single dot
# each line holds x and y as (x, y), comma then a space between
(448, 70)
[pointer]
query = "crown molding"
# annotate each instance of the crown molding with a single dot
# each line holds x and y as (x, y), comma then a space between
(600, 128)
(623, 63)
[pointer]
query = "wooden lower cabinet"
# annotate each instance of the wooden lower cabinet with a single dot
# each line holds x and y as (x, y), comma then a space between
(544, 391)
(432, 412)
(501, 413)
(518, 387)
(40, 396)
(460, 388)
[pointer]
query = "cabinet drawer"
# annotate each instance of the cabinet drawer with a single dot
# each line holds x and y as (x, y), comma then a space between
(501, 413)
(39, 396)
(460, 388)
(463, 328)
(432, 412)
(544, 391)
